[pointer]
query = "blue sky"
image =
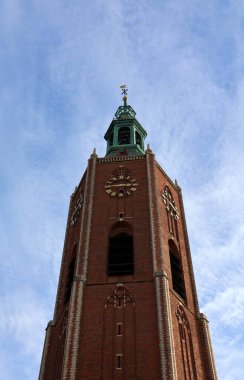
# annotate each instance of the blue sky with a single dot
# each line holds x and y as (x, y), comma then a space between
(61, 65)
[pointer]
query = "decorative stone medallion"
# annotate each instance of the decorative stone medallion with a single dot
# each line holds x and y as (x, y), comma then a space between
(121, 183)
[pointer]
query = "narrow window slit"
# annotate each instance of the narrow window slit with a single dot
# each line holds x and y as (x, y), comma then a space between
(119, 329)
(119, 361)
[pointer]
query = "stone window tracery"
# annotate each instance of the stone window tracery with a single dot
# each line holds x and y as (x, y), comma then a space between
(60, 346)
(75, 215)
(170, 203)
(187, 351)
(119, 335)
(120, 297)
(172, 211)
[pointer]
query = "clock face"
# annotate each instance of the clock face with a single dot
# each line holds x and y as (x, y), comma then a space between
(121, 183)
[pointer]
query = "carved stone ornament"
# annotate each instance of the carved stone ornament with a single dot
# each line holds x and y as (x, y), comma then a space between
(64, 326)
(76, 213)
(181, 316)
(170, 203)
(119, 297)
(121, 183)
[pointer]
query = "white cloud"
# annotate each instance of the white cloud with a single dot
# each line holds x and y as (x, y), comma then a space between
(21, 320)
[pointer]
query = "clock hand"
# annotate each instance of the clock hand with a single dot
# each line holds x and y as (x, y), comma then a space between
(121, 185)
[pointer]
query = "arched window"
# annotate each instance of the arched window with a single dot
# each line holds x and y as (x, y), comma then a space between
(120, 255)
(70, 276)
(176, 270)
(119, 330)
(124, 136)
(138, 139)
(111, 139)
(62, 328)
(187, 351)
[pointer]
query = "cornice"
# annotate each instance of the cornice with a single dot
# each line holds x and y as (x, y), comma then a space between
(121, 158)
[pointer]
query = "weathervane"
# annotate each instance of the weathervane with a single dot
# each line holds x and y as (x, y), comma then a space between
(124, 89)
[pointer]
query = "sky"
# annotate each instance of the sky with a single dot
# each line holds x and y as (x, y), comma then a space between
(61, 65)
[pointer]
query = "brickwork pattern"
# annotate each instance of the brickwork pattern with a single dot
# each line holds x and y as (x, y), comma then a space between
(153, 348)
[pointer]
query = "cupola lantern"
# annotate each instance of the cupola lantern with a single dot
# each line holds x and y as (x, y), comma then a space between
(125, 135)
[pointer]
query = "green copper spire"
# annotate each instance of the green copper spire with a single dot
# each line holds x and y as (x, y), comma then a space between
(125, 135)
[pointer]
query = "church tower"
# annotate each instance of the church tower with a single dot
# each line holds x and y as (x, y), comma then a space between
(127, 306)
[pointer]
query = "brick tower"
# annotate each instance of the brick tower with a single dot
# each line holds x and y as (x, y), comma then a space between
(126, 304)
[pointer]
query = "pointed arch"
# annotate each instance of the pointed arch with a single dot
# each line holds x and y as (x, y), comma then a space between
(120, 297)
(61, 338)
(187, 351)
(176, 270)
(120, 250)
(119, 335)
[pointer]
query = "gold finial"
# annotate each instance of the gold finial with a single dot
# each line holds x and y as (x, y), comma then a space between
(124, 89)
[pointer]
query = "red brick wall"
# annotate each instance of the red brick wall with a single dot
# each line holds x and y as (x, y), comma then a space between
(98, 344)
